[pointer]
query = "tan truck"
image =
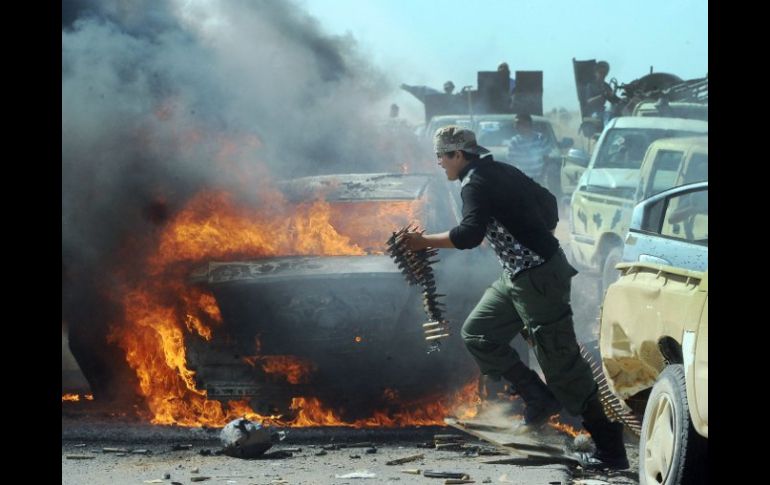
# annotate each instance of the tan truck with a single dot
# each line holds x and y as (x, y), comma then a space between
(635, 158)
(654, 336)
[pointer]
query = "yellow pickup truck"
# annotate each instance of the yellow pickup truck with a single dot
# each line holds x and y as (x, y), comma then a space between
(654, 334)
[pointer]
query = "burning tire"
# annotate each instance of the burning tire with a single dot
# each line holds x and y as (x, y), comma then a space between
(669, 449)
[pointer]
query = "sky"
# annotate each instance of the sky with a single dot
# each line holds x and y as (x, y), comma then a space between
(427, 42)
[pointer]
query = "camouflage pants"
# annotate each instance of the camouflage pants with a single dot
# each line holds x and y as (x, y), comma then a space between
(538, 299)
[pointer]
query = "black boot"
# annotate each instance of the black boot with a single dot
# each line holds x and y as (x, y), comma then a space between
(608, 437)
(539, 400)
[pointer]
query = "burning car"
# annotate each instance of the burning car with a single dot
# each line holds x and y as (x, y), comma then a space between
(340, 325)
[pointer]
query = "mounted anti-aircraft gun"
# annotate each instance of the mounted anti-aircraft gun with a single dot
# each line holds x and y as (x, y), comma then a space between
(655, 94)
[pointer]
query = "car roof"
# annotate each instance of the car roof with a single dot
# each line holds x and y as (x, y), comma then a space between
(659, 122)
(683, 143)
(357, 186)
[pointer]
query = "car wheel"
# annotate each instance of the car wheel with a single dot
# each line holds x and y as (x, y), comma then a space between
(609, 273)
(669, 447)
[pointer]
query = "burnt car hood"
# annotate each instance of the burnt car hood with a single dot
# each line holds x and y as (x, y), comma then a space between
(294, 267)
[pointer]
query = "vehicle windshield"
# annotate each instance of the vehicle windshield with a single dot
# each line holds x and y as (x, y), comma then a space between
(625, 147)
(499, 132)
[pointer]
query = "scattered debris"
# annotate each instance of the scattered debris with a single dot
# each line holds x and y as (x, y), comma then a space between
(280, 454)
(321, 453)
(355, 457)
(411, 471)
(371, 451)
(114, 450)
(180, 447)
(487, 480)
(449, 446)
(195, 470)
(405, 459)
(80, 445)
(292, 450)
(365, 444)
(157, 480)
(448, 438)
(205, 452)
(199, 479)
(441, 474)
(242, 438)
(591, 481)
(358, 474)
(80, 457)
(141, 452)
(331, 447)
(457, 481)
(176, 483)
(166, 476)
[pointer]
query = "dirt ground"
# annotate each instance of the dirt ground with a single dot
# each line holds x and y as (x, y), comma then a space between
(123, 452)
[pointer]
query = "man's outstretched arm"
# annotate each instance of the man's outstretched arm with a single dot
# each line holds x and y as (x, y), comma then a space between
(416, 241)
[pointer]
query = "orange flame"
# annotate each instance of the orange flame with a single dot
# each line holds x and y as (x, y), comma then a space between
(76, 397)
(293, 369)
(565, 428)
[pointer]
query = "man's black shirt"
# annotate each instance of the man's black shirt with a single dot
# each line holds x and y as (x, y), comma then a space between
(492, 189)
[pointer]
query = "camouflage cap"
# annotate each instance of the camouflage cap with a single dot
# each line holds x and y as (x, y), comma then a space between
(453, 137)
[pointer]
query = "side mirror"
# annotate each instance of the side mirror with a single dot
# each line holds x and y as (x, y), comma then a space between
(578, 157)
(566, 142)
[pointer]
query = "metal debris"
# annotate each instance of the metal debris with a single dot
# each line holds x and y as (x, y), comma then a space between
(242, 438)
(442, 474)
(179, 447)
(416, 267)
(411, 471)
(141, 452)
(114, 450)
(371, 451)
(80, 457)
(457, 481)
(353, 457)
(80, 445)
(199, 479)
(405, 459)
(157, 480)
(291, 450)
(321, 453)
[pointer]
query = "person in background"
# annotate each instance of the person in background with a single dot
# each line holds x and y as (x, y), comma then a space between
(517, 217)
(528, 148)
(598, 92)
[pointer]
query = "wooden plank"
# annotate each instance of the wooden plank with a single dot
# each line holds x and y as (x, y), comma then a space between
(514, 439)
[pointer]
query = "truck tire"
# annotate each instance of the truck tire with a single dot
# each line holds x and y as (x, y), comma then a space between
(609, 273)
(670, 451)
